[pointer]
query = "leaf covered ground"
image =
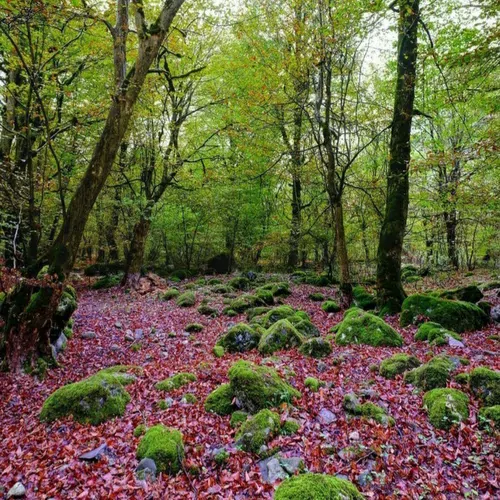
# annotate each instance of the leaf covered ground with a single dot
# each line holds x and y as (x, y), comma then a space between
(410, 460)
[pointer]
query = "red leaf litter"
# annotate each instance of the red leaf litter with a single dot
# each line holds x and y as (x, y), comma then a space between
(409, 460)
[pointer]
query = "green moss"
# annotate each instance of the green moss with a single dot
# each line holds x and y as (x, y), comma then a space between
(207, 310)
(237, 418)
(240, 338)
(397, 364)
(431, 375)
(221, 289)
(462, 378)
(107, 282)
(274, 315)
(289, 428)
(190, 398)
(453, 315)
(257, 311)
(246, 301)
(434, 333)
(136, 346)
(316, 348)
(171, 293)
(214, 281)
(187, 299)
(163, 445)
(316, 297)
(280, 289)
(230, 312)
(92, 400)
(446, 407)
(176, 381)
(469, 293)
(485, 307)
(221, 457)
(220, 401)
(367, 410)
(359, 327)
(330, 306)
(311, 486)
(257, 387)
(218, 351)
(140, 430)
(239, 283)
(490, 414)
(258, 430)
(193, 327)
(313, 384)
(304, 326)
(485, 385)
(265, 296)
(363, 299)
(280, 335)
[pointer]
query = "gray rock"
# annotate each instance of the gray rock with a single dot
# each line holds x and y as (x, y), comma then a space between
(274, 471)
(139, 334)
(17, 491)
(60, 343)
(169, 402)
(495, 314)
(326, 417)
(146, 469)
(129, 336)
(95, 454)
(454, 342)
(115, 347)
(351, 402)
(89, 335)
(364, 478)
(118, 324)
(322, 367)
(292, 465)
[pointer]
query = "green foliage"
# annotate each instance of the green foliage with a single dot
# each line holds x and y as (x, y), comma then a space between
(163, 445)
(313, 384)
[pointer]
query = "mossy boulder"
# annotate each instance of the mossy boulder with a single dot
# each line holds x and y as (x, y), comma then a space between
(107, 282)
(304, 326)
(397, 365)
(254, 312)
(363, 299)
(240, 338)
(265, 296)
(490, 414)
(454, 315)
(237, 418)
(485, 385)
(220, 400)
(163, 445)
(433, 374)
(207, 310)
(469, 293)
(313, 384)
(330, 306)
(258, 430)
(273, 315)
(239, 283)
(280, 335)
(171, 293)
(246, 301)
(316, 297)
(187, 299)
(280, 289)
(360, 327)
(257, 387)
(93, 400)
(221, 289)
(316, 348)
(311, 486)
(435, 334)
(176, 381)
(367, 410)
(193, 327)
(218, 351)
(446, 407)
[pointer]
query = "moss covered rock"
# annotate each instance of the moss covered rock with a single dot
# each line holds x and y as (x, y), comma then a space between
(469, 293)
(446, 407)
(280, 289)
(257, 387)
(218, 351)
(434, 333)
(313, 384)
(316, 348)
(193, 327)
(240, 338)
(454, 315)
(311, 486)
(316, 297)
(176, 381)
(274, 315)
(246, 301)
(254, 312)
(258, 430)
(187, 299)
(330, 306)
(93, 400)
(207, 310)
(435, 373)
(363, 299)
(490, 414)
(360, 327)
(171, 293)
(280, 335)
(237, 418)
(397, 365)
(367, 410)
(107, 282)
(221, 289)
(304, 326)
(163, 445)
(220, 400)
(239, 283)
(485, 384)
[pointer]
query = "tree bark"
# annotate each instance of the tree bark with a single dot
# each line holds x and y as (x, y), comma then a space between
(390, 289)
(295, 230)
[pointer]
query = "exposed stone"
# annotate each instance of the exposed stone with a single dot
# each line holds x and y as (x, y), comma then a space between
(89, 335)
(326, 417)
(146, 469)
(17, 491)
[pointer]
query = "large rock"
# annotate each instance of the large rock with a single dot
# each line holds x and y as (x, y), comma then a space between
(316, 348)
(257, 387)
(485, 385)
(240, 338)
(435, 334)
(363, 299)
(469, 293)
(164, 446)
(360, 327)
(220, 401)
(451, 314)
(446, 407)
(316, 487)
(435, 373)
(397, 365)
(92, 400)
(258, 430)
(280, 335)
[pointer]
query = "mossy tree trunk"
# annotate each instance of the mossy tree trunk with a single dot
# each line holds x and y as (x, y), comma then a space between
(22, 326)
(389, 286)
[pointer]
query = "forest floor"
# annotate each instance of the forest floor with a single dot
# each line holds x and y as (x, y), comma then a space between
(410, 460)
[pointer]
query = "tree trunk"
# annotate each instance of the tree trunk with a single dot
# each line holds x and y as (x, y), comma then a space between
(390, 289)
(135, 255)
(342, 256)
(293, 256)
(450, 219)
